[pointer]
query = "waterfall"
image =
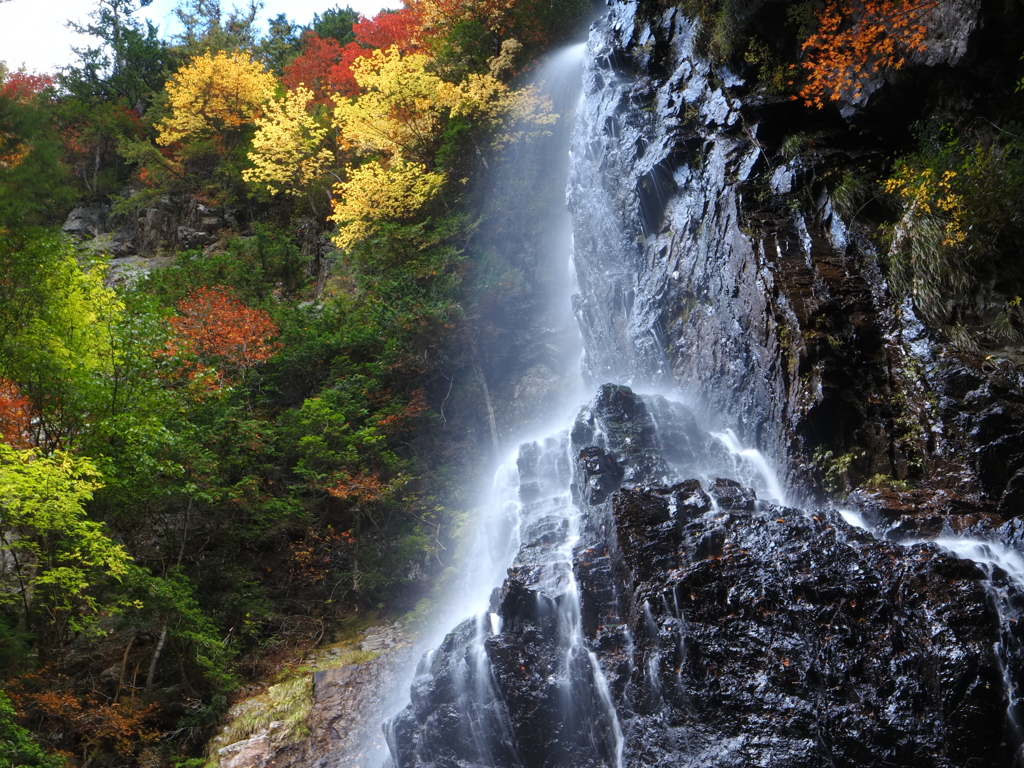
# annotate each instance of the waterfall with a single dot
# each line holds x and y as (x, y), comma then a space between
(531, 531)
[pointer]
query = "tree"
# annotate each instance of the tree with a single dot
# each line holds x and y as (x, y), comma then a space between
(400, 109)
(32, 179)
(213, 96)
(374, 194)
(205, 30)
(16, 415)
(402, 28)
(855, 40)
(317, 68)
(326, 67)
(17, 747)
(57, 322)
(404, 106)
(465, 34)
(54, 555)
(215, 332)
(281, 44)
(288, 151)
(335, 23)
(128, 66)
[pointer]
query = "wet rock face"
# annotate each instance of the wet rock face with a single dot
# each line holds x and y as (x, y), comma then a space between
(782, 639)
(677, 285)
(712, 261)
(727, 632)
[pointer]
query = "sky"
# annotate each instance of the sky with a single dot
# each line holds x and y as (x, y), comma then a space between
(32, 32)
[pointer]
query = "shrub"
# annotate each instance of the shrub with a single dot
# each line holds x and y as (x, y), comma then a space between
(961, 227)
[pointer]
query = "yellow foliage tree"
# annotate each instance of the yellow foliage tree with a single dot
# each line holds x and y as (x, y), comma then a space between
(403, 107)
(375, 193)
(398, 111)
(511, 115)
(288, 149)
(213, 95)
(399, 118)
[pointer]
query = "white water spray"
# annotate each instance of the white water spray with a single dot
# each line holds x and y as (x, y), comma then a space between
(751, 458)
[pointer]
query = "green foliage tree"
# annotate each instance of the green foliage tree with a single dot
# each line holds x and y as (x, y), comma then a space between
(128, 66)
(106, 93)
(55, 556)
(60, 349)
(280, 45)
(205, 29)
(32, 181)
(336, 23)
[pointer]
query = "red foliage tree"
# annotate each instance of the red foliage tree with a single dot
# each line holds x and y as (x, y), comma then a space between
(325, 66)
(16, 415)
(214, 331)
(22, 86)
(402, 28)
(313, 66)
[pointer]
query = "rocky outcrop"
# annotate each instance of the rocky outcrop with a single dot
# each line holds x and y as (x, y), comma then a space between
(713, 629)
(163, 225)
(334, 722)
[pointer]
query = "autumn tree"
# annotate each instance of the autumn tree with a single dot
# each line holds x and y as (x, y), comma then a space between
(465, 34)
(16, 414)
(314, 67)
(212, 104)
(375, 194)
(23, 86)
(402, 28)
(325, 65)
(213, 96)
(288, 150)
(215, 333)
(399, 110)
(857, 39)
(19, 747)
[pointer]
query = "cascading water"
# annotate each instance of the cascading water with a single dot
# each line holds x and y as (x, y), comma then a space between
(531, 531)
(630, 607)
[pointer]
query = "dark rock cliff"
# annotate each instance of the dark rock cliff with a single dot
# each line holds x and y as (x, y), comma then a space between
(711, 257)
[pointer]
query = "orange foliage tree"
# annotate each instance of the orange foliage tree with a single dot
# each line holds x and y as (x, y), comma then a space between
(216, 333)
(855, 40)
(16, 415)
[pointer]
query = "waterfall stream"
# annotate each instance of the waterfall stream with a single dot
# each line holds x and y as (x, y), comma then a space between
(530, 528)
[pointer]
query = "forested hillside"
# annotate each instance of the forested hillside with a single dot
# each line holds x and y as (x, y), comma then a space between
(207, 468)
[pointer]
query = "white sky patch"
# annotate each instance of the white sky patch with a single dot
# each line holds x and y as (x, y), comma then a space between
(33, 32)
